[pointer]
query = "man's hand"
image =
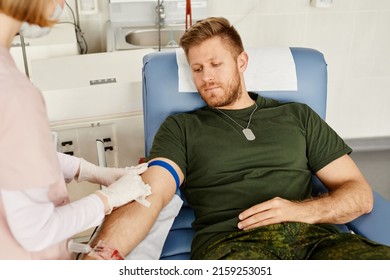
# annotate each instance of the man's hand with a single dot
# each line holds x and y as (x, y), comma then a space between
(273, 211)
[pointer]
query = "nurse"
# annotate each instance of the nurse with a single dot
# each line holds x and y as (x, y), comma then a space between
(36, 217)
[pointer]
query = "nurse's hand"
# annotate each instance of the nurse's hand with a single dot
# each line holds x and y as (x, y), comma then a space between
(106, 175)
(128, 188)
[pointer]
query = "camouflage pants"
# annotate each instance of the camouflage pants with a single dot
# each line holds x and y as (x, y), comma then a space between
(295, 241)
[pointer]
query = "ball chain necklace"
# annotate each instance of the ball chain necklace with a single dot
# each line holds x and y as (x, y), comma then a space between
(248, 133)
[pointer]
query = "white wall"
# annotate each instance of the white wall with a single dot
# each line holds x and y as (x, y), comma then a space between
(354, 36)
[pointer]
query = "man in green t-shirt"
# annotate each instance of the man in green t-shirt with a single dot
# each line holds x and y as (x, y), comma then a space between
(246, 163)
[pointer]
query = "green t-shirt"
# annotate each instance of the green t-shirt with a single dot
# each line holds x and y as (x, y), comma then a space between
(226, 174)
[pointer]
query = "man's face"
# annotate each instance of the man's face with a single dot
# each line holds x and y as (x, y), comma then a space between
(215, 73)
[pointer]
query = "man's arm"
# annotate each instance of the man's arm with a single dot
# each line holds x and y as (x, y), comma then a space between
(127, 226)
(349, 197)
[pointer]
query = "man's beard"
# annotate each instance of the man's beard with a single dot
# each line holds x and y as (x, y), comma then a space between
(232, 91)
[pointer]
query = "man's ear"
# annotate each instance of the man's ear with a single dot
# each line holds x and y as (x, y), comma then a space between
(242, 61)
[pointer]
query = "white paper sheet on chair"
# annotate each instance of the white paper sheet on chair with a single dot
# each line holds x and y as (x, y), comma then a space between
(274, 70)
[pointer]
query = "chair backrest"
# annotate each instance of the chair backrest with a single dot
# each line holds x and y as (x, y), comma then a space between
(161, 98)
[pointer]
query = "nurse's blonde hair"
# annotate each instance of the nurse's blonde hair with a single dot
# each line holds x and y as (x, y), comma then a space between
(32, 11)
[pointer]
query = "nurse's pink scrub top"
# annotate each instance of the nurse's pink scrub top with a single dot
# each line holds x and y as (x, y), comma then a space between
(27, 154)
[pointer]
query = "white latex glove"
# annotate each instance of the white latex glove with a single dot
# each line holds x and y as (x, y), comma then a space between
(106, 175)
(128, 188)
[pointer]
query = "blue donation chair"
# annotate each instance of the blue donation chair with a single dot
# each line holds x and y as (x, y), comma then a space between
(162, 98)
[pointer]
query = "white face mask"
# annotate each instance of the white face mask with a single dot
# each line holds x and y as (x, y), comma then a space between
(35, 31)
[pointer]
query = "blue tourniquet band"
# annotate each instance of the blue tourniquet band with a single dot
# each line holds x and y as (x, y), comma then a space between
(168, 167)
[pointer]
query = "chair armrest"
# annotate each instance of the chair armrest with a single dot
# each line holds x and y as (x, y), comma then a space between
(375, 225)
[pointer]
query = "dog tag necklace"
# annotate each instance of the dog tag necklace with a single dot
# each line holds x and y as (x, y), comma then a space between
(248, 133)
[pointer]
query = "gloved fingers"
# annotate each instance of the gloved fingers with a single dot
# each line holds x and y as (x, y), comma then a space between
(111, 174)
(147, 190)
(86, 171)
(97, 174)
(126, 189)
(137, 170)
(142, 199)
(143, 202)
(139, 189)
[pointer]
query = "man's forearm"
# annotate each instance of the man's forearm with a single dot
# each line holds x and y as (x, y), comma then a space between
(350, 195)
(126, 226)
(343, 205)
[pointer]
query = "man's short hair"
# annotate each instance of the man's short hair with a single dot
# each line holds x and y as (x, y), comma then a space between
(209, 28)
